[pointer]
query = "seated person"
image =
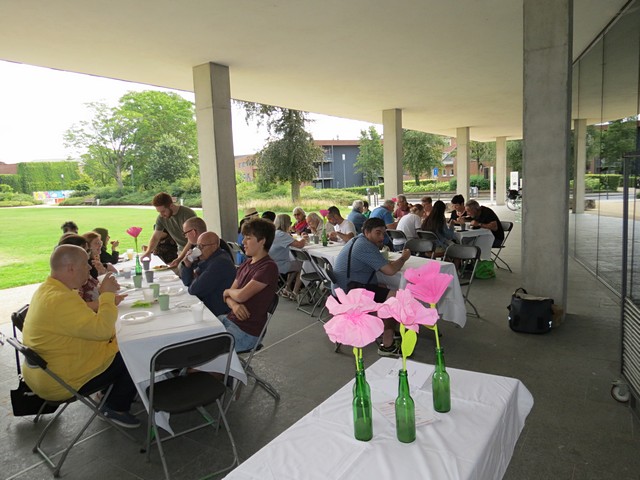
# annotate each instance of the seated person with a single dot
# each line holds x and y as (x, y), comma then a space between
(355, 215)
(254, 288)
(343, 229)
(105, 256)
(484, 217)
(78, 344)
(69, 227)
(269, 215)
(208, 271)
(408, 225)
(459, 214)
(427, 205)
(192, 228)
(314, 223)
(437, 223)
(356, 267)
(301, 225)
(403, 207)
(280, 252)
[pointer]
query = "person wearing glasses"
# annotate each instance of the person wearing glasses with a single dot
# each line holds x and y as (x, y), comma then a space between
(171, 218)
(208, 271)
(192, 228)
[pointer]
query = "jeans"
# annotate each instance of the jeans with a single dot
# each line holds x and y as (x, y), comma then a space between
(243, 341)
(124, 390)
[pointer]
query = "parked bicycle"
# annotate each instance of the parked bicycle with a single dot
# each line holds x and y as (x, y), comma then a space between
(514, 199)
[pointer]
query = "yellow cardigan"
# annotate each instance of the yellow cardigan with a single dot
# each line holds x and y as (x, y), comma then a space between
(77, 343)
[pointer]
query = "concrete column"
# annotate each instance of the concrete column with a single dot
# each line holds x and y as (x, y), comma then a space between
(546, 127)
(392, 148)
(501, 170)
(463, 154)
(580, 163)
(215, 149)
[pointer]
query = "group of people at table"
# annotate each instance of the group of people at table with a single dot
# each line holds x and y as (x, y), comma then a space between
(72, 315)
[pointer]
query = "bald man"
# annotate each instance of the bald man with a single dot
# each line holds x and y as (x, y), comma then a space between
(208, 271)
(77, 343)
(192, 228)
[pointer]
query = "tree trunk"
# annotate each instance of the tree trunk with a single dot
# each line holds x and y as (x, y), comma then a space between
(295, 192)
(417, 179)
(119, 177)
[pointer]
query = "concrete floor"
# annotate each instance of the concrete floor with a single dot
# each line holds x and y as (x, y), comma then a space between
(575, 430)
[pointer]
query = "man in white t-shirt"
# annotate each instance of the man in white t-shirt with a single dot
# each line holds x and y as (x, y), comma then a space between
(344, 230)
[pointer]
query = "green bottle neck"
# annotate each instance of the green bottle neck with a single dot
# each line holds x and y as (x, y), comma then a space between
(403, 383)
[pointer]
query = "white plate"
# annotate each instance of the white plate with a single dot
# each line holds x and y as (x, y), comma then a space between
(167, 278)
(173, 291)
(137, 317)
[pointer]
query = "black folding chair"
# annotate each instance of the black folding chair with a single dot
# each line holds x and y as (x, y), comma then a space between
(421, 247)
(235, 250)
(189, 391)
(33, 360)
(466, 258)
(507, 227)
(246, 361)
(397, 235)
(325, 270)
(312, 280)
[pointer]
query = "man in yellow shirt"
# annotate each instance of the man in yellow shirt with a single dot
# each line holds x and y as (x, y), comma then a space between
(78, 344)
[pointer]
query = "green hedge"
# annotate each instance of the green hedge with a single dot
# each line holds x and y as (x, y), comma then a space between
(609, 182)
(43, 176)
(12, 180)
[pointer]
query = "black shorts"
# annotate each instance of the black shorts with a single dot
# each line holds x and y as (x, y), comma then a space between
(381, 293)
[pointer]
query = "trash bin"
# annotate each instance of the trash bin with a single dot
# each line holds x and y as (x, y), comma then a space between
(473, 191)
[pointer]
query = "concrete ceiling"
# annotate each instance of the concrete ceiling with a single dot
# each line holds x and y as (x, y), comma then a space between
(446, 64)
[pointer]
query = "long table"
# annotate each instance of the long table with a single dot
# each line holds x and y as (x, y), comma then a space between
(138, 342)
(480, 237)
(475, 440)
(451, 306)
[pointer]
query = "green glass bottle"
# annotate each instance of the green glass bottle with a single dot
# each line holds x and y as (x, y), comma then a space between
(440, 384)
(362, 411)
(405, 410)
(366, 384)
(138, 265)
(325, 240)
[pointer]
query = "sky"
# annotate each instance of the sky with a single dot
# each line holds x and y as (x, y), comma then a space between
(38, 105)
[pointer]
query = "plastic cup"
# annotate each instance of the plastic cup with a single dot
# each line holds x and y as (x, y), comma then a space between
(149, 276)
(147, 293)
(126, 272)
(163, 300)
(197, 311)
(316, 239)
(130, 254)
(146, 262)
(156, 289)
(137, 281)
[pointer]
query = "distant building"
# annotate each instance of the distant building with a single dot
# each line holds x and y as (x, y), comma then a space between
(337, 169)
(8, 168)
(244, 165)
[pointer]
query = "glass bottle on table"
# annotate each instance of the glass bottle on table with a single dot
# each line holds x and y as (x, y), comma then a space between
(362, 409)
(440, 385)
(325, 240)
(138, 265)
(405, 410)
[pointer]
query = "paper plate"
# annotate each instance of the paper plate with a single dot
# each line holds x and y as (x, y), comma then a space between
(173, 291)
(137, 317)
(160, 268)
(167, 279)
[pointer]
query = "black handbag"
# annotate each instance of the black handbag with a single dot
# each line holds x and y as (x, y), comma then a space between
(25, 402)
(530, 314)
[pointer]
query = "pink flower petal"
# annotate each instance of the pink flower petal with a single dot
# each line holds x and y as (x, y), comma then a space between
(351, 323)
(408, 311)
(427, 283)
(134, 231)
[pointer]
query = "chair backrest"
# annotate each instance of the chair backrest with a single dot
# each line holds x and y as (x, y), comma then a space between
(324, 268)
(225, 246)
(192, 353)
(427, 235)
(462, 252)
(30, 355)
(270, 312)
(17, 318)
(397, 234)
(419, 245)
(300, 255)
(507, 227)
(236, 249)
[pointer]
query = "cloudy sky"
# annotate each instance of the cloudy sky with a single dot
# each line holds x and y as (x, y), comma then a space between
(37, 105)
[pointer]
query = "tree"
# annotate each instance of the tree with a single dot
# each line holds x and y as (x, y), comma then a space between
(291, 154)
(108, 139)
(422, 152)
(514, 155)
(617, 139)
(370, 161)
(168, 161)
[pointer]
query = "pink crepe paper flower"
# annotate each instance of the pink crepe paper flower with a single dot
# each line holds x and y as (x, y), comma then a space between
(427, 283)
(408, 311)
(351, 323)
(394, 200)
(134, 232)
(324, 213)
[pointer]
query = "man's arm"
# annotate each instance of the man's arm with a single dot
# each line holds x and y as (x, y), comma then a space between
(395, 266)
(183, 254)
(241, 295)
(153, 242)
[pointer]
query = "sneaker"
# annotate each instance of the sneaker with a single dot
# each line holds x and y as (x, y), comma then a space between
(392, 351)
(125, 419)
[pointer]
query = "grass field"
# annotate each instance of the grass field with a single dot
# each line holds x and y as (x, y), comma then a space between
(28, 235)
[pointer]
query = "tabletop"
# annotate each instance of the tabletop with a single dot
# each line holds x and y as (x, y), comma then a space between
(480, 237)
(475, 440)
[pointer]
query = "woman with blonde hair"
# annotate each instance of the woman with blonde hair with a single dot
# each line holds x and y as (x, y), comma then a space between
(300, 226)
(280, 252)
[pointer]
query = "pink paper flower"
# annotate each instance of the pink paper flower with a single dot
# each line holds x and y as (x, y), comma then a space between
(394, 200)
(427, 283)
(324, 213)
(351, 323)
(408, 311)
(134, 232)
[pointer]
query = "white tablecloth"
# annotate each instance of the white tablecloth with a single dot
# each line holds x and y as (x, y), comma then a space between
(475, 440)
(138, 342)
(480, 237)
(451, 306)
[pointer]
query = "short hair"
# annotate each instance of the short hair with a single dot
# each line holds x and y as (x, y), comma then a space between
(261, 229)
(333, 210)
(283, 222)
(65, 255)
(73, 239)
(269, 215)
(313, 216)
(372, 223)
(90, 237)
(298, 210)
(365, 203)
(389, 203)
(457, 200)
(402, 197)
(428, 200)
(69, 226)
(162, 199)
(472, 204)
(357, 204)
(196, 223)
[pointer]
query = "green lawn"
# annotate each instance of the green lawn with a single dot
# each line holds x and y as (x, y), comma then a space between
(28, 235)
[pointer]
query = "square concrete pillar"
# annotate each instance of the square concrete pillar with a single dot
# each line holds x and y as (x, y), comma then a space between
(546, 127)
(463, 154)
(215, 149)
(392, 148)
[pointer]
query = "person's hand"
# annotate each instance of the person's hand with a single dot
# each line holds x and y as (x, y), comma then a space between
(109, 284)
(119, 298)
(114, 244)
(333, 236)
(240, 311)
(475, 223)
(406, 254)
(175, 263)
(111, 268)
(145, 254)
